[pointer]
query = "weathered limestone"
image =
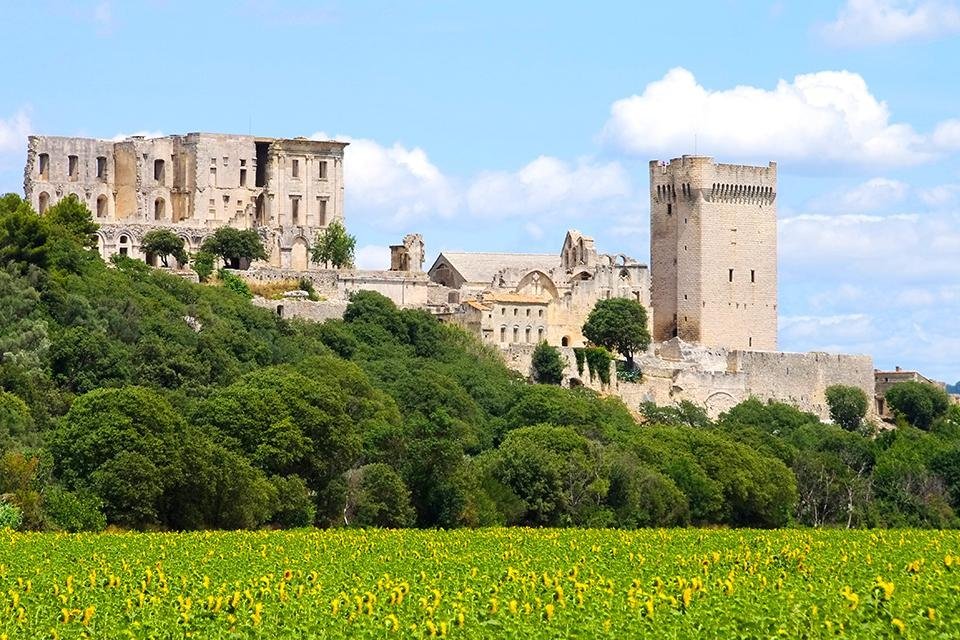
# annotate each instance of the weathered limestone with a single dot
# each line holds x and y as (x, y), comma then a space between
(511, 299)
(713, 252)
(287, 189)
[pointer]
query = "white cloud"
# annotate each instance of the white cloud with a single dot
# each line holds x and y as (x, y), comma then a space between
(826, 118)
(373, 257)
(873, 22)
(940, 195)
(396, 184)
(14, 131)
(947, 135)
(818, 331)
(547, 185)
(872, 195)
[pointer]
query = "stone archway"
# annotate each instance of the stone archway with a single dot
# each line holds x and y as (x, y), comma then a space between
(299, 255)
(718, 402)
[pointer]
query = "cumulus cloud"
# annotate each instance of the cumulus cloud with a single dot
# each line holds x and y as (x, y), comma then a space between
(14, 131)
(373, 257)
(872, 195)
(940, 195)
(819, 331)
(947, 135)
(824, 118)
(547, 185)
(874, 22)
(396, 183)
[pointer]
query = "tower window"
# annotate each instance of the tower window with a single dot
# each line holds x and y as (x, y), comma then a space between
(753, 275)
(243, 177)
(323, 170)
(295, 169)
(750, 341)
(730, 274)
(44, 165)
(73, 167)
(669, 209)
(159, 170)
(101, 167)
(295, 210)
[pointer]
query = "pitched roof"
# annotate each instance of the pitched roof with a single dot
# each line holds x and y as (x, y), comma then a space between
(509, 296)
(481, 267)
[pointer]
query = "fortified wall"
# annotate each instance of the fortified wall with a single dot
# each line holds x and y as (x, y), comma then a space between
(718, 379)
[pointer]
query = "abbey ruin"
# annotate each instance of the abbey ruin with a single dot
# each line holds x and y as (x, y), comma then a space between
(710, 290)
(192, 184)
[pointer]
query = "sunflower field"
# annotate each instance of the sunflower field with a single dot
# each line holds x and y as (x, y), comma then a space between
(679, 583)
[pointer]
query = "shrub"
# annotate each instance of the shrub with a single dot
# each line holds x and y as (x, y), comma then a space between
(235, 283)
(10, 516)
(547, 364)
(74, 511)
(203, 264)
(848, 405)
(917, 402)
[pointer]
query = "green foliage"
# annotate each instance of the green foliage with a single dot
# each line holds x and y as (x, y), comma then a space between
(72, 216)
(73, 511)
(684, 413)
(10, 516)
(581, 358)
(235, 283)
(16, 422)
(24, 236)
(598, 363)
(235, 247)
(334, 246)
(294, 506)
(377, 497)
(917, 402)
(163, 243)
(620, 325)
(848, 405)
(203, 262)
(547, 364)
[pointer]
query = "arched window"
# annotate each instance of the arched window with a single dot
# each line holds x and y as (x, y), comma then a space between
(44, 201)
(159, 209)
(565, 341)
(102, 207)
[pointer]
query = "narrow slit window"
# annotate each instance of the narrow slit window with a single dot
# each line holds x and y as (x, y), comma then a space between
(730, 275)
(73, 167)
(323, 170)
(295, 168)
(753, 275)
(101, 167)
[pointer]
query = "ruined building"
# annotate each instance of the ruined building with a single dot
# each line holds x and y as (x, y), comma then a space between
(287, 189)
(520, 298)
(713, 253)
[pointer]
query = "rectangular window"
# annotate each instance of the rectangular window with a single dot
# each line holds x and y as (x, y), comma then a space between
(243, 177)
(540, 334)
(225, 160)
(213, 176)
(730, 275)
(750, 341)
(753, 275)
(159, 170)
(322, 206)
(101, 167)
(669, 209)
(73, 167)
(243, 163)
(44, 165)
(323, 170)
(503, 334)
(540, 313)
(516, 335)
(526, 336)
(295, 168)
(295, 210)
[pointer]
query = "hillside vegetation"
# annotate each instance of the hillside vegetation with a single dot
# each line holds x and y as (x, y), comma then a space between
(134, 398)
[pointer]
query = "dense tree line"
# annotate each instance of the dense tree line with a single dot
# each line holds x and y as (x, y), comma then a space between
(131, 397)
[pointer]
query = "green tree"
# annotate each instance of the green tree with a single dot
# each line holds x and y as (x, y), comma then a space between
(377, 497)
(848, 405)
(73, 216)
(163, 243)
(203, 264)
(24, 235)
(547, 364)
(620, 325)
(918, 403)
(334, 246)
(234, 246)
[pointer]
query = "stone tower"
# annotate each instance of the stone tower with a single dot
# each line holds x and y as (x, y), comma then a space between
(713, 253)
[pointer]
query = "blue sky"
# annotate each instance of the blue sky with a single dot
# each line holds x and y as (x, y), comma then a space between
(498, 125)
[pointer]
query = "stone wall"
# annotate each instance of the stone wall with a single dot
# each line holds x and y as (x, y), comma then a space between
(304, 309)
(519, 357)
(718, 379)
